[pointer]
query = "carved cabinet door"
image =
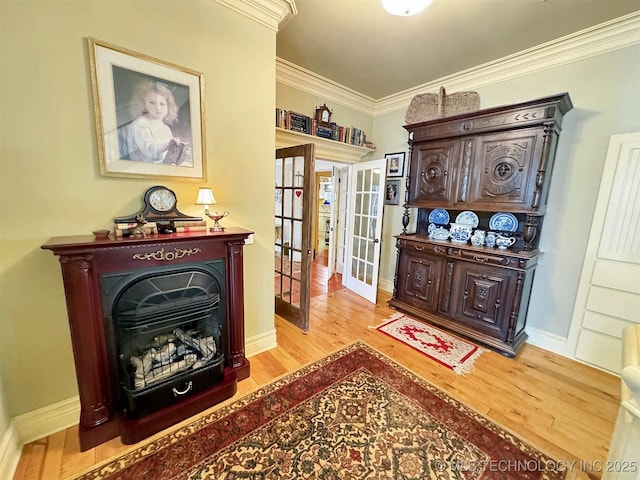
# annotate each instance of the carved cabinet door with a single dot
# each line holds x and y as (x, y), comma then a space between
(419, 279)
(432, 173)
(506, 171)
(483, 297)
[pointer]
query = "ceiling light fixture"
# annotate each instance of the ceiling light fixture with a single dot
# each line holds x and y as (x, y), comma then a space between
(404, 8)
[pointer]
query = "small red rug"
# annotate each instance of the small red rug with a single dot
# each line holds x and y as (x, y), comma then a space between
(448, 350)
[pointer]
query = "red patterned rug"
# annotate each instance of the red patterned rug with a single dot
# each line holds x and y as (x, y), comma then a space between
(448, 350)
(354, 415)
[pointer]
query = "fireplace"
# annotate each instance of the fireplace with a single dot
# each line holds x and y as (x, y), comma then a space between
(157, 328)
(166, 331)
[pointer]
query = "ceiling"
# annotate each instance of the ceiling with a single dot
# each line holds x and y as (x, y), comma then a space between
(358, 45)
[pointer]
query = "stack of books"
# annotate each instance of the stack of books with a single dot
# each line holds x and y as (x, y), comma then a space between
(123, 230)
(194, 226)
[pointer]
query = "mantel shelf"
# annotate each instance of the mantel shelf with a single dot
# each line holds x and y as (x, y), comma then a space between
(325, 149)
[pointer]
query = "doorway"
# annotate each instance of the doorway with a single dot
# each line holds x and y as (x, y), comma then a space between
(329, 222)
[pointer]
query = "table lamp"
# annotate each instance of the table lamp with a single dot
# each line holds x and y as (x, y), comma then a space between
(205, 197)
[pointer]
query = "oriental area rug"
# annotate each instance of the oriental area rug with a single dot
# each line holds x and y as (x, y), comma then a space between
(355, 414)
(448, 350)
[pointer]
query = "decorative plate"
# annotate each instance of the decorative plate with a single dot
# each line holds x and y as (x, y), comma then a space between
(506, 222)
(439, 216)
(468, 218)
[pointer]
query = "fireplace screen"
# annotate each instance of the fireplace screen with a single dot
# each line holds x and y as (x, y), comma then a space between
(168, 331)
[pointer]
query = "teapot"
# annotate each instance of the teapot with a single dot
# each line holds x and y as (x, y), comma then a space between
(504, 242)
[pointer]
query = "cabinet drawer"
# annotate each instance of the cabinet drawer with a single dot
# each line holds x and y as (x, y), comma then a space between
(491, 257)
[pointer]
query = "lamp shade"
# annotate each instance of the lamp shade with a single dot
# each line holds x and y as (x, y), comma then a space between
(405, 8)
(205, 197)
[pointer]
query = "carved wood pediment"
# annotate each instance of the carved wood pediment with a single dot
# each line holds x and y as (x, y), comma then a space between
(429, 106)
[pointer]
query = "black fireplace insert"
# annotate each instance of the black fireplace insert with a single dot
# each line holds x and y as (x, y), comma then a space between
(166, 332)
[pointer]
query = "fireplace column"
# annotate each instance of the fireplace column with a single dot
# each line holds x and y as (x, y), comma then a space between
(236, 308)
(89, 351)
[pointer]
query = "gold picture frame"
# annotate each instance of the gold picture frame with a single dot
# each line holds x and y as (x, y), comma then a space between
(149, 115)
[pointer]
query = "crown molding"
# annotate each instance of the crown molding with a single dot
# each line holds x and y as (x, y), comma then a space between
(273, 14)
(613, 35)
(297, 77)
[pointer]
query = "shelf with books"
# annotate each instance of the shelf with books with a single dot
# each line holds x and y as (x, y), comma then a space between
(302, 128)
(325, 148)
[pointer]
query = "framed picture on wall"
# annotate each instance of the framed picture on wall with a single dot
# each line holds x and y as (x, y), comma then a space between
(392, 192)
(395, 164)
(149, 115)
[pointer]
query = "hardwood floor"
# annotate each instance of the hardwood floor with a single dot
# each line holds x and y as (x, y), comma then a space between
(320, 284)
(564, 408)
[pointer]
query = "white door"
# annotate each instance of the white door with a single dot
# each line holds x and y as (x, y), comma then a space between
(608, 296)
(342, 174)
(364, 229)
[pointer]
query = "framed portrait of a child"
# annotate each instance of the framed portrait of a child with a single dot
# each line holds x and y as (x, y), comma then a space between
(395, 164)
(149, 115)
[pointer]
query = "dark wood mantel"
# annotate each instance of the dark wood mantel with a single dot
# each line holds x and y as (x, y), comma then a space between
(83, 259)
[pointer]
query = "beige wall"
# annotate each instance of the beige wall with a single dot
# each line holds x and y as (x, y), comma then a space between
(50, 183)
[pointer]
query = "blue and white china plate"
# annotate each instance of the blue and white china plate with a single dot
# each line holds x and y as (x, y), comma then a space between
(506, 222)
(439, 216)
(468, 218)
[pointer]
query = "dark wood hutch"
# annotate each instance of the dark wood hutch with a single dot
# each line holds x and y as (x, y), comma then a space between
(496, 160)
(85, 261)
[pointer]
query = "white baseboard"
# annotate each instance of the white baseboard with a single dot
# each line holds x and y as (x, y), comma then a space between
(260, 343)
(548, 341)
(44, 421)
(385, 285)
(10, 448)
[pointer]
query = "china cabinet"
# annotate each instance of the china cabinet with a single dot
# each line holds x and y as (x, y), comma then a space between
(493, 166)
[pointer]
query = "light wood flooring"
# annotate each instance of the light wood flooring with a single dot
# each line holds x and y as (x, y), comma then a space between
(562, 407)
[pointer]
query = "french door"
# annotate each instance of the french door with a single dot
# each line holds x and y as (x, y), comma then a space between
(294, 187)
(364, 229)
